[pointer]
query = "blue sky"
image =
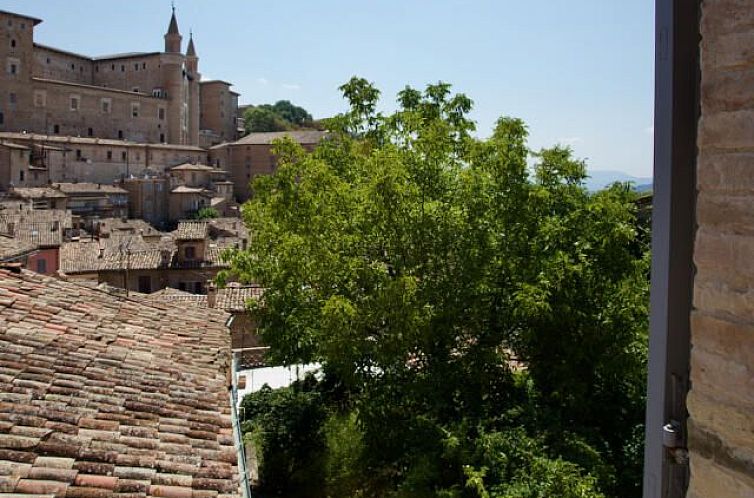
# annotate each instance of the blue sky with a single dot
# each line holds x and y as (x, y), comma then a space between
(579, 72)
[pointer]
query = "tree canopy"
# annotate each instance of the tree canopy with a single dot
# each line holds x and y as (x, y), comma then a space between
(281, 116)
(486, 319)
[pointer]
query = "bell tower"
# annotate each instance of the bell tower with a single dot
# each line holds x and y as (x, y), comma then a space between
(173, 37)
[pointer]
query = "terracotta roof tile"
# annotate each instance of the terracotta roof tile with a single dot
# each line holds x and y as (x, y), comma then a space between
(83, 415)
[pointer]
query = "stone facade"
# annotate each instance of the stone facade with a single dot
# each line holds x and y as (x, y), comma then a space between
(721, 401)
(219, 111)
(72, 159)
(151, 97)
(252, 156)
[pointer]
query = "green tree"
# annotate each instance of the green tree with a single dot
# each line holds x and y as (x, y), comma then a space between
(206, 213)
(293, 114)
(261, 119)
(455, 292)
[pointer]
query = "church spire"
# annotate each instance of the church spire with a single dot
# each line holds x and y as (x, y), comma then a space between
(173, 36)
(191, 50)
(173, 28)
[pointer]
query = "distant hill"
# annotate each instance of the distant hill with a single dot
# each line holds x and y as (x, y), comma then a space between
(600, 179)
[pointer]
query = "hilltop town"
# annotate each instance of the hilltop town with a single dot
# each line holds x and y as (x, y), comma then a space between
(112, 155)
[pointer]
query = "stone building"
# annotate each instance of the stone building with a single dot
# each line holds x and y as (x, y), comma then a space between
(252, 155)
(145, 97)
(32, 160)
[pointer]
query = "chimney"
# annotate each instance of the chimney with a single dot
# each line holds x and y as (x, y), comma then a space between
(211, 294)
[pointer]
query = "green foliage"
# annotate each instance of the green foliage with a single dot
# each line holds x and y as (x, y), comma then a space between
(286, 426)
(417, 263)
(280, 116)
(206, 213)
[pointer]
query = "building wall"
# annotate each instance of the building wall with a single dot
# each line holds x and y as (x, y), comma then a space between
(50, 259)
(721, 401)
(219, 110)
(101, 161)
(56, 65)
(244, 162)
(148, 199)
(103, 113)
(160, 279)
(36, 95)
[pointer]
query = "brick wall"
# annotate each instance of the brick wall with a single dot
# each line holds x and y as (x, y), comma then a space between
(721, 402)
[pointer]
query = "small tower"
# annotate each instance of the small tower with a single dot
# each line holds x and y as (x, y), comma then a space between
(192, 61)
(173, 37)
(194, 107)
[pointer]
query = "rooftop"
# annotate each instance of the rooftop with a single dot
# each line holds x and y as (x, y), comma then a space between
(88, 188)
(102, 395)
(192, 230)
(63, 140)
(307, 137)
(12, 248)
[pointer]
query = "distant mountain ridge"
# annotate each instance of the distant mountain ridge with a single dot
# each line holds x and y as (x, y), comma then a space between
(599, 179)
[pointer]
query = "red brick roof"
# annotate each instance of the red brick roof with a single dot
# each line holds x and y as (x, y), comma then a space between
(109, 396)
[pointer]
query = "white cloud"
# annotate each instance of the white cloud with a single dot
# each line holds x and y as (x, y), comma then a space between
(291, 86)
(262, 81)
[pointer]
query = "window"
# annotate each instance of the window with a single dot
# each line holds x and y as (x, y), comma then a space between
(106, 105)
(81, 69)
(90, 132)
(145, 284)
(144, 66)
(96, 69)
(123, 155)
(120, 134)
(113, 67)
(109, 155)
(78, 154)
(13, 43)
(182, 286)
(41, 266)
(75, 101)
(56, 129)
(48, 60)
(12, 98)
(136, 89)
(40, 98)
(21, 176)
(73, 67)
(122, 68)
(189, 252)
(161, 113)
(135, 109)
(162, 138)
(2, 118)
(136, 67)
(13, 66)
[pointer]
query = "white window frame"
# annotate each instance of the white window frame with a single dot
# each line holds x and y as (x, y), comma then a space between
(74, 98)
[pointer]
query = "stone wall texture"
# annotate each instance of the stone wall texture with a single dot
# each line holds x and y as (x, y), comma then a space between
(721, 401)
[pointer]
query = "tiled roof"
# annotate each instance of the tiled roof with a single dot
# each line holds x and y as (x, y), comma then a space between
(308, 137)
(191, 230)
(182, 189)
(109, 396)
(40, 234)
(46, 140)
(84, 256)
(89, 188)
(170, 295)
(11, 248)
(115, 225)
(37, 193)
(235, 298)
(193, 167)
